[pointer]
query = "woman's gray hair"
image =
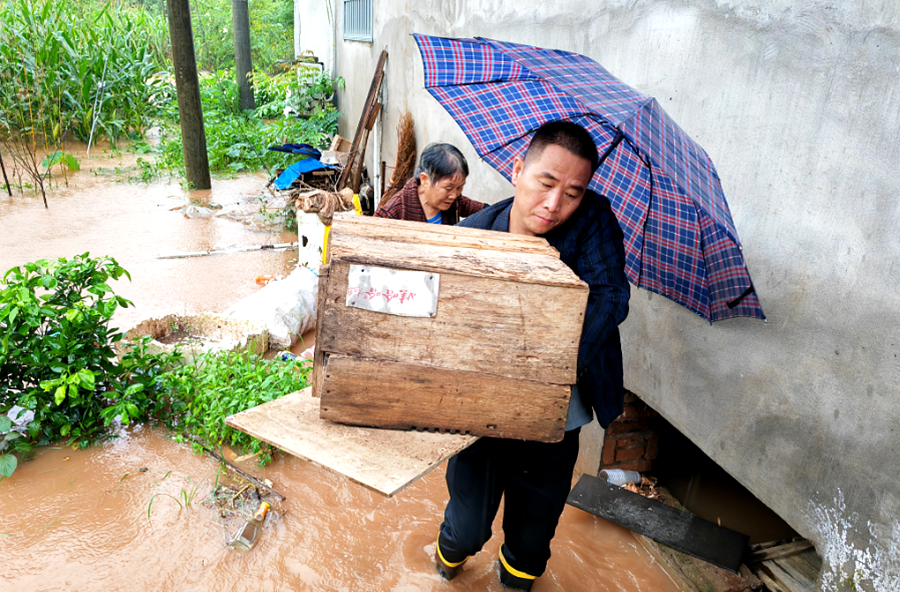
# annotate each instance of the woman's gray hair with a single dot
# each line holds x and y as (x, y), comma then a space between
(440, 160)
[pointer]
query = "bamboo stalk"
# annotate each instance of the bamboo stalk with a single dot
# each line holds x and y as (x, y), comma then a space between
(246, 476)
(275, 247)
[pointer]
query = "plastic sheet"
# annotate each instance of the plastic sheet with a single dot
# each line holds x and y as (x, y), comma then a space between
(286, 307)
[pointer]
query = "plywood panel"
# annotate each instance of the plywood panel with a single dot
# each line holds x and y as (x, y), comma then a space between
(383, 460)
(363, 391)
(500, 328)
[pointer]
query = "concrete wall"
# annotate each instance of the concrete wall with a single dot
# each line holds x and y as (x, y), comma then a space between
(798, 104)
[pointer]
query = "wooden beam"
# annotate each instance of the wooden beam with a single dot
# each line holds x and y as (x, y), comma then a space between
(358, 150)
(683, 531)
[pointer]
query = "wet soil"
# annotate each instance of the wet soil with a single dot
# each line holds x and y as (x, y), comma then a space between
(95, 520)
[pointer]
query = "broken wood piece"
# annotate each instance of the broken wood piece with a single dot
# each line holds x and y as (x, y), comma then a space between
(683, 531)
(385, 461)
(795, 569)
(340, 144)
(243, 474)
(776, 552)
(789, 574)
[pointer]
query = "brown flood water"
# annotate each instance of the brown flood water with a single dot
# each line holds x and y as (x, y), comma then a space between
(77, 520)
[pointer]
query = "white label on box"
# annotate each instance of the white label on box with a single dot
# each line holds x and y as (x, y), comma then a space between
(393, 291)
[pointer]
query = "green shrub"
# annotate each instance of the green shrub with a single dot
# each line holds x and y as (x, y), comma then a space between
(56, 350)
(216, 385)
(57, 361)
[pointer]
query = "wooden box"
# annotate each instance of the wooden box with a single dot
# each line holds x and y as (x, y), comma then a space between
(495, 355)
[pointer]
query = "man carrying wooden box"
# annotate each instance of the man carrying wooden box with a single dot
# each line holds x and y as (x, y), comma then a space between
(552, 200)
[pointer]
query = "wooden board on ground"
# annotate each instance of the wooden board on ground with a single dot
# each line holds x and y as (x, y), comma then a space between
(383, 460)
(683, 531)
(788, 567)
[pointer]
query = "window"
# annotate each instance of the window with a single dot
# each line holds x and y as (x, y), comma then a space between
(358, 20)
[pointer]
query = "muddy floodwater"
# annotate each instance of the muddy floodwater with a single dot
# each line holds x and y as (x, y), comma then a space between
(131, 514)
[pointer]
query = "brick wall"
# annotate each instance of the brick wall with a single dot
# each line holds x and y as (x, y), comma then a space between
(631, 441)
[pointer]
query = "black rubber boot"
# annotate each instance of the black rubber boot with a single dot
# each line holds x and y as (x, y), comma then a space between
(511, 581)
(448, 572)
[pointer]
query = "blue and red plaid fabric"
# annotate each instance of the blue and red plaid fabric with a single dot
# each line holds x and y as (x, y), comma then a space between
(680, 240)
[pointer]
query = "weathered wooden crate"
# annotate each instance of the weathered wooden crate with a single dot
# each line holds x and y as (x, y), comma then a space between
(495, 357)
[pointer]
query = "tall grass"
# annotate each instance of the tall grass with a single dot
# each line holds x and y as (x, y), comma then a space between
(239, 140)
(69, 68)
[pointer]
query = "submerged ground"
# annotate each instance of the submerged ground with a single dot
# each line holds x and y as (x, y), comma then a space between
(94, 520)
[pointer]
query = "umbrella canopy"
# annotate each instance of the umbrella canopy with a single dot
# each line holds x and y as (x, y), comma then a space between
(680, 240)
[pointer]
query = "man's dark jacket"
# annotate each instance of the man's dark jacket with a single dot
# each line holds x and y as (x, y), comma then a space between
(590, 243)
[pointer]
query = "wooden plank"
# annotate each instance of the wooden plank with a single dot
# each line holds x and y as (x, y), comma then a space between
(361, 126)
(383, 460)
(363, 391)
(532, 268)
(786, 550)
(373, 115)
(516, 330)
(799, 567)
(683, 531)
(319, 353)
(780, 579)
(416, 232)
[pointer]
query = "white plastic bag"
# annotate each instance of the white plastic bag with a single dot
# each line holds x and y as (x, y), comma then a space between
(286, 307)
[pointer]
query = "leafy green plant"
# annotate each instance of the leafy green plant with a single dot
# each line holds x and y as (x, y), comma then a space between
(56, 351)
(237, 140)
(63, 159)
(219, 384)
(10, 439)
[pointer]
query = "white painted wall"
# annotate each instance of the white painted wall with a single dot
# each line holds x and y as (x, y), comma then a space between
(798, 104)
(314, 29)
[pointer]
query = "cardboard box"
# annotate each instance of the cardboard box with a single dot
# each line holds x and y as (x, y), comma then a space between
(436, 327)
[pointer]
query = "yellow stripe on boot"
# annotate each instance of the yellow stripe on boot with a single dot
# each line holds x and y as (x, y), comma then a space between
(514, 571)
(441, 555)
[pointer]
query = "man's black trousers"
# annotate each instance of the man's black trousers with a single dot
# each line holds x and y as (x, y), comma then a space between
(534, 476)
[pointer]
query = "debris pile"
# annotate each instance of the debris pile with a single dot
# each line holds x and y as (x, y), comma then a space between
(647, 488)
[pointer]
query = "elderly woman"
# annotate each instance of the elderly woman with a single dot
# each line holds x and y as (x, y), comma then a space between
(434, 193)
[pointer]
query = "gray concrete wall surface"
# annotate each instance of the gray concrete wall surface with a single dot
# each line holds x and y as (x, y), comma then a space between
(798, 104)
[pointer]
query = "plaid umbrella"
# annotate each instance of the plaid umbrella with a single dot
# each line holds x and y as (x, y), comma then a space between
(680, 240)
